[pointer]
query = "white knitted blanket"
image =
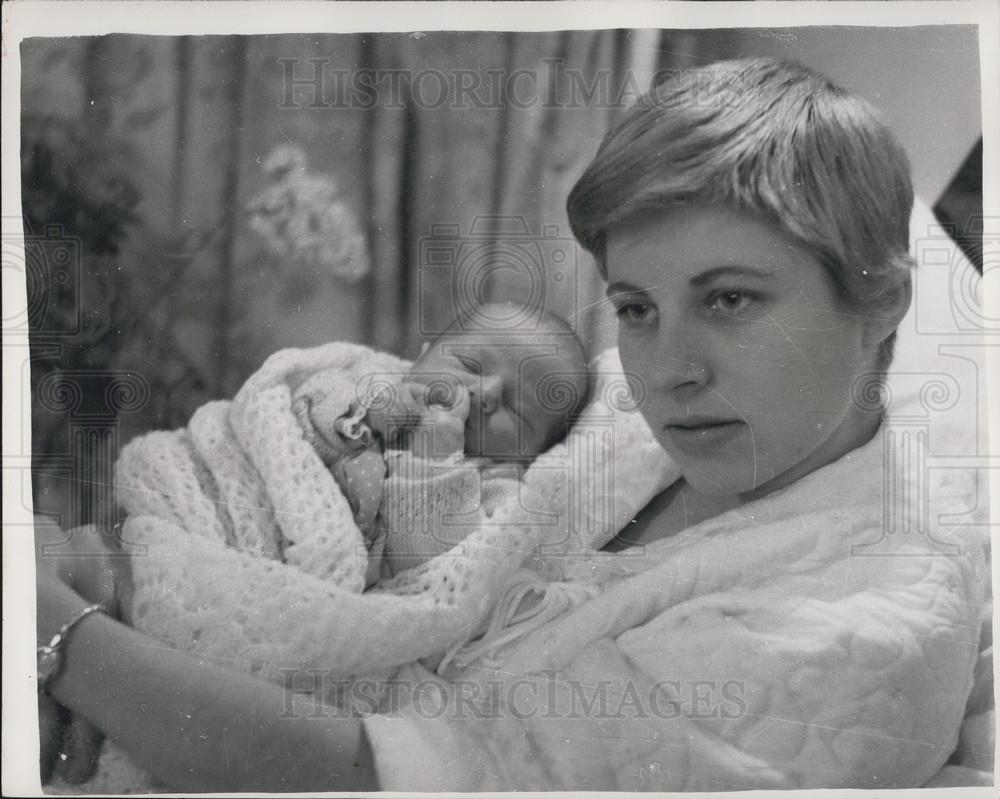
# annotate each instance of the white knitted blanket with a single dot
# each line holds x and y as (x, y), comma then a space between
(245, 550)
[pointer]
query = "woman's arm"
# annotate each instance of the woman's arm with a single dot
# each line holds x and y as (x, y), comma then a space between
(193, 725)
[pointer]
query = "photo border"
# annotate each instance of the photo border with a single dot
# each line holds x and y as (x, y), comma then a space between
(57, 19)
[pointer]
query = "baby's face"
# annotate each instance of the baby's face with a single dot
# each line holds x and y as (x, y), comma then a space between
(521, 389)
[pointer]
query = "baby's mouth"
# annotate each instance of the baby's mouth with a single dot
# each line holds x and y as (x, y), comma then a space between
(473, 445)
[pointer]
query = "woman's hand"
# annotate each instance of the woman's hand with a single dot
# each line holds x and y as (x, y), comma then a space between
(70, 746)
(176, 715)
(88, 561)
(73, 569)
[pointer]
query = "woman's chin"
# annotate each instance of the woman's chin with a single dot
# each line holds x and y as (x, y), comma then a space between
(724, 479)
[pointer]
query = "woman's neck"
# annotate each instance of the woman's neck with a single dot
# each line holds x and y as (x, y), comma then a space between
(674, 509)
(680, 506)
(857, 429)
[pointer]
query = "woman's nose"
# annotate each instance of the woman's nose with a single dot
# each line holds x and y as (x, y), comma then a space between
(684, 358)
(487, 393)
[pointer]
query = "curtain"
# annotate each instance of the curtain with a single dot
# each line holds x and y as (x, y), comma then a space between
(193, 204)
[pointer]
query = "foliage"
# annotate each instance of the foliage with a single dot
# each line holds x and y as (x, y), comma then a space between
(78, 204)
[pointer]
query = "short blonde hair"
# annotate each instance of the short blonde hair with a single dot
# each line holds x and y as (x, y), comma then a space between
(771, 138)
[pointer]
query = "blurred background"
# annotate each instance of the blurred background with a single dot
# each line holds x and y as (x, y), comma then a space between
(192, 204)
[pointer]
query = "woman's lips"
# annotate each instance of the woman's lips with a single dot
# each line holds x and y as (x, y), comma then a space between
(703, 435)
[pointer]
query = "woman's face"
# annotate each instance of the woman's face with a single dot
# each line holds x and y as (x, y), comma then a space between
(741, 354)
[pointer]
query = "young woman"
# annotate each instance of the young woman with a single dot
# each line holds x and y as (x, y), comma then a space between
(751, 220)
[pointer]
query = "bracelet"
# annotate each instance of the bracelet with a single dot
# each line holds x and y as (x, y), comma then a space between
(50, 657)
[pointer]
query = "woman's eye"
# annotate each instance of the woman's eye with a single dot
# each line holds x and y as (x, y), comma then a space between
(730, 302)
(634, 312)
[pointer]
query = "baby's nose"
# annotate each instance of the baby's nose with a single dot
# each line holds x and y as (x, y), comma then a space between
(487, 393)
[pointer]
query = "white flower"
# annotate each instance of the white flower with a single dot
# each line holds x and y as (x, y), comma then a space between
(301, 218)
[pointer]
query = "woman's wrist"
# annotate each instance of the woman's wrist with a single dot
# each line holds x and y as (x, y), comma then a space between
(52, 655)
(177, 716)
(57, 604)
(64, 617)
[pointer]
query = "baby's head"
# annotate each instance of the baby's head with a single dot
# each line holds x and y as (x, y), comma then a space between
(524, 374)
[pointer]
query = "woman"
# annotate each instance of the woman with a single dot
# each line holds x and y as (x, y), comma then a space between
(751, 220)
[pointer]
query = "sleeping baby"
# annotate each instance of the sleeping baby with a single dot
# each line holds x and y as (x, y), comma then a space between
(351, 466)
(422, 456)
(256, 530)
(443, 487)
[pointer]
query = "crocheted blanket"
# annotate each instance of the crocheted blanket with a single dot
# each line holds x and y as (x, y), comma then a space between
(245, 550)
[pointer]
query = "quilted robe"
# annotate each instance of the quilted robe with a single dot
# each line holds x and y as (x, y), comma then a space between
(790, 643)
(827, 635)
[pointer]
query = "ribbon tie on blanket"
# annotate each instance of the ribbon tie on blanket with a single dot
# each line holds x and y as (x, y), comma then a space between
(513, 617)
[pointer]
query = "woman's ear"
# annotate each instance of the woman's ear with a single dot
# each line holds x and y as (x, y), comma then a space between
(888, 315)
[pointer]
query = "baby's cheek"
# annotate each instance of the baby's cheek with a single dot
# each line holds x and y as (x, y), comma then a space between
(506, 434)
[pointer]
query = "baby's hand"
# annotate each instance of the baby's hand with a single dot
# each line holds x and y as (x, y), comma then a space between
(441, 430)
(436, 410)
(395, 409)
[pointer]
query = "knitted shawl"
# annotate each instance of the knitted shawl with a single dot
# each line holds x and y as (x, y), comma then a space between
(244, 549)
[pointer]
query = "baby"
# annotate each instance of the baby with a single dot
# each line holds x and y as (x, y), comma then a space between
(257, 528)
(417, 454)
